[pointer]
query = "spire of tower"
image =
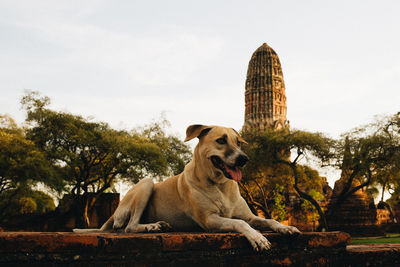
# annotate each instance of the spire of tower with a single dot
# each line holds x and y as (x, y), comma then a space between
(265, 98)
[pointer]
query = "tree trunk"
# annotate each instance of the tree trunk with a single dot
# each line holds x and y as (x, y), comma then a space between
(315, 204)
(86, 219)
(253, 204)
(306, 196)
(81, 216)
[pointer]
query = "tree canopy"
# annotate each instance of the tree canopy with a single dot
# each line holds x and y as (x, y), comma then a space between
(275, 156)
(22, 165)
(90, 156)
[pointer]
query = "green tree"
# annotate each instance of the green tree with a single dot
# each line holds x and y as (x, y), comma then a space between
(25, 200)
(274, 148)
(386, 175)
(368, 155)
(44, 202)
(279, 210)
(90, 156)
(260, 179)
(27, 205)
(176, 152)
(22, 165)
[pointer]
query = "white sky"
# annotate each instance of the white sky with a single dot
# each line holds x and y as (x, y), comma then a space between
(126, 62)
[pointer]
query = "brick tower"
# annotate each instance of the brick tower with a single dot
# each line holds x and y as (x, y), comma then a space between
(265, 99)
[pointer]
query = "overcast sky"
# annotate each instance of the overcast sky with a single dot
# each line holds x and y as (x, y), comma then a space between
(126, 62)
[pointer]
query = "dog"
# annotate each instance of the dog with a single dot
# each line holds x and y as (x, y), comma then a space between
(205, 196)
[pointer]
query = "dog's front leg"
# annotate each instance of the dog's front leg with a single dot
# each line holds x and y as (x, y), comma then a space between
(265, 224)
(217, 223)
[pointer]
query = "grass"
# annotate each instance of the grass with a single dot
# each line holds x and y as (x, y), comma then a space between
(388, 238)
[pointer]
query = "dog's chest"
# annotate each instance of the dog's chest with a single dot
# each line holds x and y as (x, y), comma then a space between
(224, 205)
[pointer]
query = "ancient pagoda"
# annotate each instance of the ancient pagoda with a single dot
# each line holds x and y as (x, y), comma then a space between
(357, 214)
(265, 98)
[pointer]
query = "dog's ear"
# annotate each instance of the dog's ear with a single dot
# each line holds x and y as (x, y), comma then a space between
(240, 138)
(196, 130)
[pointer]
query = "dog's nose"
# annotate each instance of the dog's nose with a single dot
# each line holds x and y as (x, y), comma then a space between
(241, 160)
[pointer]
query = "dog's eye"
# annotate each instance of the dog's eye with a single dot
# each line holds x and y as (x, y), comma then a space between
(238, 143)
(221, 141)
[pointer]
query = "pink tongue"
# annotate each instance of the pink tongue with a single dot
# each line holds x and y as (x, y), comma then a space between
(235, 173)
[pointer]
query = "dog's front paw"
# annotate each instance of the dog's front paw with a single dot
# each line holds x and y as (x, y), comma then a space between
(288, 230)
(259, 242)
(164, 226)
(158, 227)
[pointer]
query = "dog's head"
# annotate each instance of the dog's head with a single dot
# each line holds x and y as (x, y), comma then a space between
(219, 150)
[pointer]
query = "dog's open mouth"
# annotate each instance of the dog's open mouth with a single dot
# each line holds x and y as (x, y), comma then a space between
(229, 172)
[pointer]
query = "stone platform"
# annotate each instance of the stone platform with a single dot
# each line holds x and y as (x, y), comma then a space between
(168, 249)
(188, 249)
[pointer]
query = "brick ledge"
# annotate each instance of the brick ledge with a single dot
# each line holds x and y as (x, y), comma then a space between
(65, 241)
(168, 249)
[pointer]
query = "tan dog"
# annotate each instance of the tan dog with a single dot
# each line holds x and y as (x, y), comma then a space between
(205, 196)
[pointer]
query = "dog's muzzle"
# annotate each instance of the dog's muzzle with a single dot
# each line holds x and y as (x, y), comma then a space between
(231, 172)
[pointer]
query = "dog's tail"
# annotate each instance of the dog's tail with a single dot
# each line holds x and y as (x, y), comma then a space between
(107, 227)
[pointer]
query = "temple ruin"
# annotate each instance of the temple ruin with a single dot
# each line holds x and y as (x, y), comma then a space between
(265, 98)
(357, 214)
